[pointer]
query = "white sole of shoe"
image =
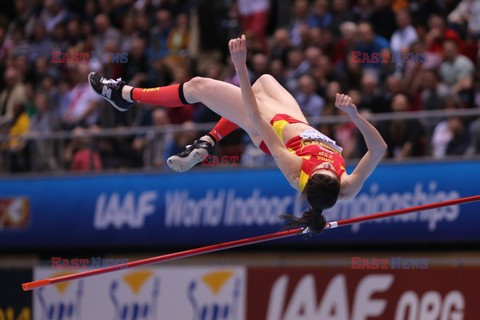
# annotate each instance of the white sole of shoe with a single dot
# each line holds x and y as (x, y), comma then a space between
(180, 164)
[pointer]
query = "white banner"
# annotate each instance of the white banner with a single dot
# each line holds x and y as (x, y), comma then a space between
(203, 293)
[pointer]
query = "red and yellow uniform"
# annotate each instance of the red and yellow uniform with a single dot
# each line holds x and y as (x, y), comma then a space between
(313, 152)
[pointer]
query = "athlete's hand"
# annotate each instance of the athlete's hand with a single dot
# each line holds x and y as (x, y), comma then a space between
(344, 103)
(238, 51)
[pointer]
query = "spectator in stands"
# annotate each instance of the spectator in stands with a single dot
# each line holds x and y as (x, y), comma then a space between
(13, 94)
(467, 12)
(84, 156)
(277, 70)
(105, 32)
(461, 137)
(254, 18)
(281, 45)
(43, 122)
(363, 10)
(346, 43)
(370, 43)
(16, 146)
(41, 45)
(372, 98)
(310, 102)
(151, 148)
(179, 36)
(158, 42)
(320, 17)
(439, 33)
(341, 13)
(300, 21)
(434, 91)
(259, 65)
(297, 67)
(404, 136)
(383, 18)
(53, 14)
(81, 106)
(404, 36)
(136, 69)
(456, 70)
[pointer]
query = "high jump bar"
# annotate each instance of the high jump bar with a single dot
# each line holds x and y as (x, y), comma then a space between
(241, 242)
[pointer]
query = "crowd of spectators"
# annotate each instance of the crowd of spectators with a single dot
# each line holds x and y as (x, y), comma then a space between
(308, 46)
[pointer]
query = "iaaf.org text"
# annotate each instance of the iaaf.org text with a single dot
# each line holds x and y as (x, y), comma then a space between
(93, 262)
(360, 263)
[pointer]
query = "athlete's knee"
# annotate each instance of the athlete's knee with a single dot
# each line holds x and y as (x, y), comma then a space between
(266, 77)
(193, 88)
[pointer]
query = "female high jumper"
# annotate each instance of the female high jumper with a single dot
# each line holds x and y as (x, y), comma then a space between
(310, 161)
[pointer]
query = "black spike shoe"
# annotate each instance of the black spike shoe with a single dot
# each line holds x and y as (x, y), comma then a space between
(189, 157)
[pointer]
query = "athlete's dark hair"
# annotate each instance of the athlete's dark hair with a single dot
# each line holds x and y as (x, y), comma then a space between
(321, 192)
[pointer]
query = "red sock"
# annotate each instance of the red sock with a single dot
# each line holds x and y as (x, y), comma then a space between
(222, 129)
(169, 96)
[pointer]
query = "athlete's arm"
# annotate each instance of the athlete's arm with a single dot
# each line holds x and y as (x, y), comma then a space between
(288, 163)
(351, 184)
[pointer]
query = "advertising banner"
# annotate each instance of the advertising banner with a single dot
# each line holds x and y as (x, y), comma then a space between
(210, 206)
(14, 302)
(340, 294)
(207, 293)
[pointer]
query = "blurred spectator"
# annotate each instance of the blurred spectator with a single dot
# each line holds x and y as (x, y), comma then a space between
(363, 10)
(467, 13)
(300, 21)
(460, 137)
(13, 94)
(370, 43)
(41, 45)
(346, 43)
(254, 17)
(157, 47)
(320, 17)
(43, 122)
(81, 106)
(434, 91)
(372, 98)
(259, 65)
(151, 147)
(16, 150)
(136, 69)
(179, 36)
(382, 18)
(341, 13)
(456, 70)
(105, 32)
(404, 36)
(404, 137)
(297, 67)
(53, 14)
(310, 102)
(439, 33)
(84, 156)
(281, 45)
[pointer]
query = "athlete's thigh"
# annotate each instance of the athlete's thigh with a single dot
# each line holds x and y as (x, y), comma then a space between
(276, 99)
(222, 98)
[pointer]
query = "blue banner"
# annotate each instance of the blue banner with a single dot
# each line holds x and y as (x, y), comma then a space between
(210, 206)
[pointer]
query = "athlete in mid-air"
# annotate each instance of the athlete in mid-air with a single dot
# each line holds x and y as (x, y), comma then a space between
(310, 161)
